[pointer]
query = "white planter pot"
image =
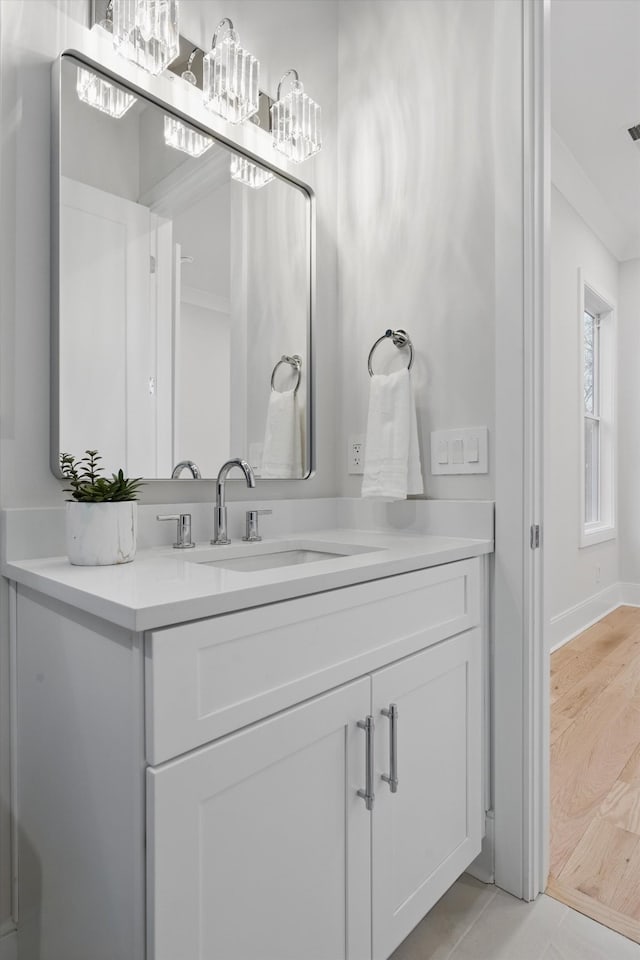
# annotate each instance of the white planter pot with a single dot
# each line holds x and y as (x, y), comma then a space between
(98, 534)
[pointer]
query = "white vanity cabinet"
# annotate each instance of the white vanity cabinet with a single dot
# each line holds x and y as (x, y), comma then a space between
(243, 828)
(261, 848)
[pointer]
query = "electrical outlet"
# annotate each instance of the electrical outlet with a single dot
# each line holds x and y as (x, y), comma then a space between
(355, 455)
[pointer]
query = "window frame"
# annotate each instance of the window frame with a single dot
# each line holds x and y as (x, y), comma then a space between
(602, 308)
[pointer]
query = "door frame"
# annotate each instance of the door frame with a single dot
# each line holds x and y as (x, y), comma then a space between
(520, 680)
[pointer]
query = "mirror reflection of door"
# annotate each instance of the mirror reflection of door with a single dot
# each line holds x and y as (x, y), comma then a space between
(110, 314)
(180, 289)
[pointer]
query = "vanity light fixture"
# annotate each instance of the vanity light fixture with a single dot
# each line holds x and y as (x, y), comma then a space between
(102, 95)
(295, 121)
(182, 137)
(107, 21)
(230, 76)
(188, 74)
(251, 174)
(147, 32)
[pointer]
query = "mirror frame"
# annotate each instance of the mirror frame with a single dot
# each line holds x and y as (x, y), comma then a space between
(246, 139)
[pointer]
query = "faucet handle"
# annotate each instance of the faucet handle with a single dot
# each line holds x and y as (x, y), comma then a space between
(183, 535)
(252, 534)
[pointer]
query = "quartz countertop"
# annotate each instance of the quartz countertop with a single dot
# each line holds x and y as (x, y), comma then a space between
(164, 586)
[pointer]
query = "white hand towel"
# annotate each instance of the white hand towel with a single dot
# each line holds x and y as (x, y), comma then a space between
(392, 455)
(282, 451)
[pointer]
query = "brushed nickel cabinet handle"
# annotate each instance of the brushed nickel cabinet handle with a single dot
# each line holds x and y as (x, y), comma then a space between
(367, 794)
(392, 777)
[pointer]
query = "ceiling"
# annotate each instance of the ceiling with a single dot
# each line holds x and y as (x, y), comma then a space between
(595, 98)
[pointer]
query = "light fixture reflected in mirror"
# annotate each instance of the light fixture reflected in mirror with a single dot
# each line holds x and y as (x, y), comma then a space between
(296, 121)
(101, 94)
(230, 76)
(147, 32)
(181, 137)
(251, 174)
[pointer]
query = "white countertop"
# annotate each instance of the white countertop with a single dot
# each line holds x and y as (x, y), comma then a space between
(164, 586)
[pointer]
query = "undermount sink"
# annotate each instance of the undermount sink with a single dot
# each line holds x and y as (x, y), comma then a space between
(267, 557)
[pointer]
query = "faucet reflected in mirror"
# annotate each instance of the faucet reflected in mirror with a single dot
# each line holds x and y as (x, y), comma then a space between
(186, 465)
(220, 537)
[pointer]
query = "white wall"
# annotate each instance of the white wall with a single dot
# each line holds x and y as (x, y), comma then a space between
(573, 577)
(629, 420)
(416, 213)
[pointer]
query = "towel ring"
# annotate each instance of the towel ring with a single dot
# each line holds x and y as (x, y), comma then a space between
(296, 362)
(400, 339)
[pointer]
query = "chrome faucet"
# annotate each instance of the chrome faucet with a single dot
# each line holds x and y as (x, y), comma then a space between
(186, 465)
(220, 515)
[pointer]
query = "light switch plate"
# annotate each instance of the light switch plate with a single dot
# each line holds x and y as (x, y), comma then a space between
(461, 451)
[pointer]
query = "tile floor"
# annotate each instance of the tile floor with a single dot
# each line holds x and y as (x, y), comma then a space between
(474, 921)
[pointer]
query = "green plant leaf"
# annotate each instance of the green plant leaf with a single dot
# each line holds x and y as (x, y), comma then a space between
(87, 486)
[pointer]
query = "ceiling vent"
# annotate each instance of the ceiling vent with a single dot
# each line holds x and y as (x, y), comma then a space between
(634, 132)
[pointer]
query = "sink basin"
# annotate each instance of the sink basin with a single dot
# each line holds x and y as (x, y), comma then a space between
(268, 557)
(268, 561)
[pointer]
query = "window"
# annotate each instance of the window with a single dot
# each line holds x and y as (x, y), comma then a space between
(597, 335)
(591, 418)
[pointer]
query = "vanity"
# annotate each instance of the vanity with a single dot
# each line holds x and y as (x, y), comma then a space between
(258, 764)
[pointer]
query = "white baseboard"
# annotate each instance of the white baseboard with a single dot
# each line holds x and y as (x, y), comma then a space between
(630, 594)
(9, 946)
(568, 624)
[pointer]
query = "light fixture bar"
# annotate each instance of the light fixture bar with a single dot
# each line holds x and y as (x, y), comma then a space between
(178, 66)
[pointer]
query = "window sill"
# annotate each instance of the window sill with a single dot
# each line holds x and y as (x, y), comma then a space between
(598, 533)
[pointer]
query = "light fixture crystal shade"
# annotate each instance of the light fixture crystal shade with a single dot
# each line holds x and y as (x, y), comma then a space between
(230, 80)
(251, 174)
(182, 137)
(147, 32)
(101, 94)
(296, 125)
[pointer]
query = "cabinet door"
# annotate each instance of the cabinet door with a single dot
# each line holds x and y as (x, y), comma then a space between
(259, 846)
(429, 831)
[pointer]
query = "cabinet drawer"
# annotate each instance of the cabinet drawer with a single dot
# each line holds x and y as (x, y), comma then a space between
(207, 678)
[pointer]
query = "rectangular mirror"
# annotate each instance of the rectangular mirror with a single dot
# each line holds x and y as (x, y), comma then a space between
(182, 294)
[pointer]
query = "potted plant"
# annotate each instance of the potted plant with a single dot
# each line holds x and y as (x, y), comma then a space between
(102, 514)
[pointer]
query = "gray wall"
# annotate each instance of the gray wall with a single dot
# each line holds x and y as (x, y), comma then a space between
(628, 420)
(416, 220)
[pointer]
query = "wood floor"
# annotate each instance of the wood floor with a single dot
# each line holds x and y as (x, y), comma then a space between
(595, 772)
